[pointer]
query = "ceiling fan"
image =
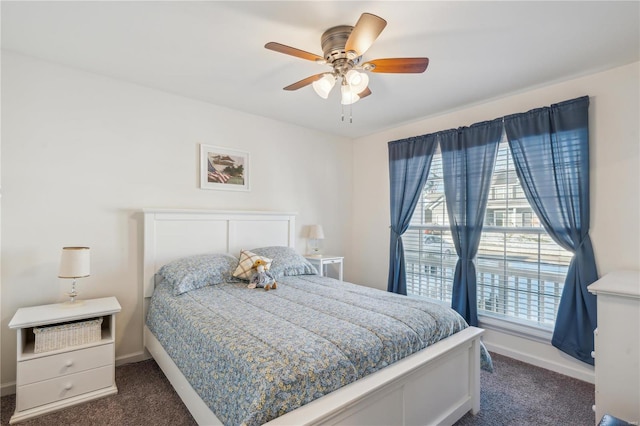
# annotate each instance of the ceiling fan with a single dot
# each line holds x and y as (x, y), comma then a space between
(343, 47)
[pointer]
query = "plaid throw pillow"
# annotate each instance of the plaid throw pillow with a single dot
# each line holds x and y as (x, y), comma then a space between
(247, 258)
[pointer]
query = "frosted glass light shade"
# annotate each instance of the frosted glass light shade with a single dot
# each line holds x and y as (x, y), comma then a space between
(357, 80)
(324, 85)
(348, 96)
(75, 262)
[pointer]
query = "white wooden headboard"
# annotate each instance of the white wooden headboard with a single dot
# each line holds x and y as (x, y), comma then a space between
(172, 234)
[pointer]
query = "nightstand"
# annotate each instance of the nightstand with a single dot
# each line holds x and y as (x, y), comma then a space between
(321, 261)
(56, 379)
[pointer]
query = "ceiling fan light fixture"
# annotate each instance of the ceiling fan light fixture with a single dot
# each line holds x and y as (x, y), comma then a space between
(343, 47)
(349, 96)
(324, 84)
(357, 80)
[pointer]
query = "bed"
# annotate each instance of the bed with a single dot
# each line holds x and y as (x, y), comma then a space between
(436, 384)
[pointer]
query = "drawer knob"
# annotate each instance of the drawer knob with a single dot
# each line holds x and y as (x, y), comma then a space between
(68, 386)
(593, 354)
(69, 363)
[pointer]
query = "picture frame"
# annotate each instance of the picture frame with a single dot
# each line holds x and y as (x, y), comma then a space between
(223, 168)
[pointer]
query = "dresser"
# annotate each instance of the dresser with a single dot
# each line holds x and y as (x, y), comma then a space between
(50, 380)
(616, 354)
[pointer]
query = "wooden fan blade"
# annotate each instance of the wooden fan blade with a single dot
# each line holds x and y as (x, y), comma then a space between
(366, 92)
(398, 65)
(288, 50)
(305, 82)
(366, 31)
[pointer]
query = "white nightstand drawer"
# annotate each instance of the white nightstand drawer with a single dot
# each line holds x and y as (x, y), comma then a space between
(48, 391)
(49, 367)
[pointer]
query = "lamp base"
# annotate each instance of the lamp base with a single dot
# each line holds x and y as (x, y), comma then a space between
(73, 303)
(73, 295)
(313, 248)
(314, 251)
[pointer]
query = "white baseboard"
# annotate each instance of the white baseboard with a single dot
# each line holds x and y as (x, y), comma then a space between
(7, 389)
(562, 366)
(131, 358)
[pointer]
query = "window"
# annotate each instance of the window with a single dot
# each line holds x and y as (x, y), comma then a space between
(430, 256)
(520, 269)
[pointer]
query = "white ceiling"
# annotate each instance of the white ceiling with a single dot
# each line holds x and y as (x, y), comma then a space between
(214, 50)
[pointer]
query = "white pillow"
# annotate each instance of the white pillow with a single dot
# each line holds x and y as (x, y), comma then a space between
(244, 270)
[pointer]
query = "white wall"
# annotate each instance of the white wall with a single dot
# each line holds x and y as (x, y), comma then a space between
(82, 153)
(615, 187)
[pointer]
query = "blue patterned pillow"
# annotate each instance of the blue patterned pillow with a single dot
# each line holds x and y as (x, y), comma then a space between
(193, 272)
(286, 261)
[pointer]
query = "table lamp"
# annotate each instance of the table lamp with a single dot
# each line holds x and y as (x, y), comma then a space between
(315, 234)
(74, 263)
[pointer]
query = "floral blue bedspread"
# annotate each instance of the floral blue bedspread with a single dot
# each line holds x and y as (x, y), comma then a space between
(270, 352)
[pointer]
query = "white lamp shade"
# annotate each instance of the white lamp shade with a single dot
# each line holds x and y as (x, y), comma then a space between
(74, 262)
(324, 84)
(357, 80)
(316, 232)
(348, 96)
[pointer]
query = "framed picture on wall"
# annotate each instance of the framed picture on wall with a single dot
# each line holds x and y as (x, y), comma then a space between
(223, 168)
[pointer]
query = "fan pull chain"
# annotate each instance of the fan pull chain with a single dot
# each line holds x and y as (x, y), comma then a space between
(350, 113)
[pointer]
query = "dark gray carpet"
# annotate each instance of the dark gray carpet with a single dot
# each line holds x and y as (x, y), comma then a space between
(145, 397)
(516, 394)
(519, 394)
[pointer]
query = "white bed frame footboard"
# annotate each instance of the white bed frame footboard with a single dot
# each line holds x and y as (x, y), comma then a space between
(435, 386)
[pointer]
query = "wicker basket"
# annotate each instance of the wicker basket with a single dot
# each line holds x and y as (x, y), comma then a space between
(60, 336)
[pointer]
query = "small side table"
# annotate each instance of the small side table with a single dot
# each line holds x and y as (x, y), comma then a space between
(56, 379)
(321, 261)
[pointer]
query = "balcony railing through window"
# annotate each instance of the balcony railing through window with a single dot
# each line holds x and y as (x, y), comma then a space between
(520, 272)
